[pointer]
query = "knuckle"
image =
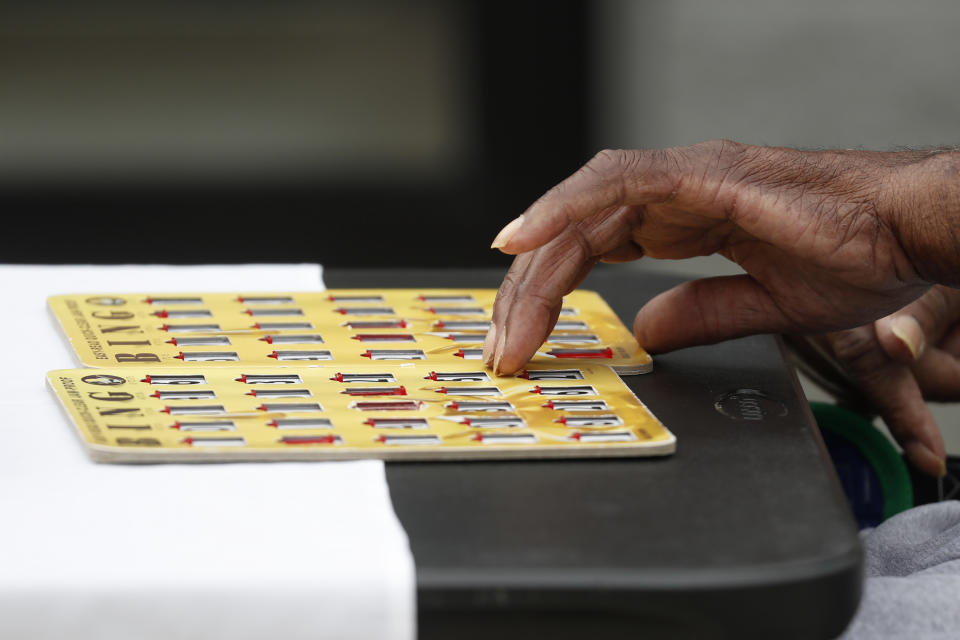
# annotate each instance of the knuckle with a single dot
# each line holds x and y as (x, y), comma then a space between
(609, 161)
(858, 350)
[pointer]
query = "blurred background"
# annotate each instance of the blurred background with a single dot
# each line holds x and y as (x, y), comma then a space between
(355, 133)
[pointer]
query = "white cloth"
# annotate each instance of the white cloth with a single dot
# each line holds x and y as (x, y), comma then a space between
(239, 551)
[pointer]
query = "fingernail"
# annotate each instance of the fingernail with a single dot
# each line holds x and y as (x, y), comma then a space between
(488, 344)
(507, 232)
(908, 330)
(925, 459)
(501, 341)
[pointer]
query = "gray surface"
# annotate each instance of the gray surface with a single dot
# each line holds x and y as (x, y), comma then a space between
(743, 532)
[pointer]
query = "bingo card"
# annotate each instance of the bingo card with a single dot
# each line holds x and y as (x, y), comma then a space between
(439, 327)
(143, 412)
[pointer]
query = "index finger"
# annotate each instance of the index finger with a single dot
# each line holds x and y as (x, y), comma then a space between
(608, 180)
(529, 304)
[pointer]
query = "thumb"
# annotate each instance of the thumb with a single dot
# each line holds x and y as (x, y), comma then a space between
(707, 311)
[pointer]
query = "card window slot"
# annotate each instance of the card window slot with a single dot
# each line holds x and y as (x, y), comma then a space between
(265, 299)
(365, 311)
(174, 379)
(470, 391)
(198, 394)
(173, 300)
(190, 328)
(457, 311)
(293, 338)
(469, 354)
(577, 405)
(280, 393)
(200, 441)
(582, 390)
(323, 439)
(475, 338)
(284, 326)
(375, 391)
(397, 423)
(394, 354)
(300, 423)
(463, 325)
(269, 378)
(391, 405)
(212, 425)
(375, 324)
(410, 440)
(300, 355)
(506, 438)
(195, 410)
(470, 405)
(573, 338)
(458, 376)
(603, 436)
(183, 313)
(364, 377)
(552, 374)
(208, 356)
(261, 313)
(446, 298)
(570, 325)
(362, 299)
(384, 337)
(581, 353)
(590, 421)
(481, 422)
(200, 341)
(289, 407)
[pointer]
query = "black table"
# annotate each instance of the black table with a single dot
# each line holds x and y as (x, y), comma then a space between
(744, 532)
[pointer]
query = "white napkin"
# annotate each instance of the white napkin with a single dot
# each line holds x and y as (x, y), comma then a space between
(278, 550)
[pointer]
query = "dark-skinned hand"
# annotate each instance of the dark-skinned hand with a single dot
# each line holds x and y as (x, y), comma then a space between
(829, 240)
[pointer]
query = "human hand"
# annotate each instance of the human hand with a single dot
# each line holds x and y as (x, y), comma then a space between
(892, 366)
(829, 240)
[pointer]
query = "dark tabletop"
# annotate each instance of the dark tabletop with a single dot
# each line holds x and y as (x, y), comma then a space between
(743, 532)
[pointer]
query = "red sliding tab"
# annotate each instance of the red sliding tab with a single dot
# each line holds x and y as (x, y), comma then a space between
(329, 439)
(581, 353)
(375, 391)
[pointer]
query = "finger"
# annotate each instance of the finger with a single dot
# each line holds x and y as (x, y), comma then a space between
(609, 180)
(938, 374)
(551, 273)
(707, 311)
(539, 279)
(890, 388)
(626, 252)
(502, 302)
(905, 334)
(897, 397)
(950, 342)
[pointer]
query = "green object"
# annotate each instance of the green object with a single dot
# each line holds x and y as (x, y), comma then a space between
(876, 449)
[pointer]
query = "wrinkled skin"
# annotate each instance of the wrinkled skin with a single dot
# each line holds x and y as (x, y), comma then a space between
(829, 240)
(896, 383)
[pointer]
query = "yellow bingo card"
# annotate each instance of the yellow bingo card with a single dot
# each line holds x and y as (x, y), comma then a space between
(411, 411)
(441, 327)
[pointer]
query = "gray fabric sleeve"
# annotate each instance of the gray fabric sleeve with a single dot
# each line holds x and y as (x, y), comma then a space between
(912, 584)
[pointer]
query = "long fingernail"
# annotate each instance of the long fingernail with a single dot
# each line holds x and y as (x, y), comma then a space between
(924, 458)
(507, 232)
(488, 344)
(501, 341)
(909, 332)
